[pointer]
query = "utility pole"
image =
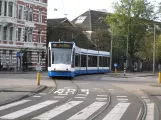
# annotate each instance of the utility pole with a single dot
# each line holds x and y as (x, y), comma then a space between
(111, 49)
(154, 47)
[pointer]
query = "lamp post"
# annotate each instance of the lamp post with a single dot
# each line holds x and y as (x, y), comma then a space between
(111, 49)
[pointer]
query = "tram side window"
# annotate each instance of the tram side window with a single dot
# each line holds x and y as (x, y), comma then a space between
(100, 61)
(83, 60)
(105, 61)
(92, 61)
(77, 60)
(108, 62)
(49, 58)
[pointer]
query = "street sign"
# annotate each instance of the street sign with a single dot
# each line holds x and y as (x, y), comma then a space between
(115, 65)
(38, 67)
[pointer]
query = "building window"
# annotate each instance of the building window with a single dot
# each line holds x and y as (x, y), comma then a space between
(11, 33)
(0, 7)
(40, 16)
(5, 33)
(28, 34)
(29, 56)
(4, 56)
(10, 9)
(39, 36)
(26, 13)
(38, 57)
(20, 12)
(31, 14)
(19, 34)
(10, 56)
(5, 8)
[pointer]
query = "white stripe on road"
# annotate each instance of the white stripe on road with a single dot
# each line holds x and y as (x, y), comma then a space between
(101, 98)
(27, 110)
(110, 89)
(102, 95)
(62, 94)
(13, 104)
(122, 99)
(54, 112)
(85, 113)
(36, 96)
(81, 97)
(117, 112)
(150, 111)
(59, 96)
(121, 96)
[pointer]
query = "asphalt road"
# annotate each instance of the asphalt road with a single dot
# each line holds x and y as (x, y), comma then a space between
(83, 98)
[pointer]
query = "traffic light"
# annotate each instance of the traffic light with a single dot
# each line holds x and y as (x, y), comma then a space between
(43, 54)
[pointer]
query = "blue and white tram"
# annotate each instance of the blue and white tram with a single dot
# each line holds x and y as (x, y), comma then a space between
(66, 59)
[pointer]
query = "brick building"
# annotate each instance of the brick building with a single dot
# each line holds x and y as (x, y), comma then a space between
(22, 29)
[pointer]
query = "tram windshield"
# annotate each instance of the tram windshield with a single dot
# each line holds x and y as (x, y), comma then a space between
(61, 54)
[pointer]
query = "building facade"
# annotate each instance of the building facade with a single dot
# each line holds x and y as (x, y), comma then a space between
(23, 33)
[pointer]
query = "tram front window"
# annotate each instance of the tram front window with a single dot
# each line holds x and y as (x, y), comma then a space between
(61, 56)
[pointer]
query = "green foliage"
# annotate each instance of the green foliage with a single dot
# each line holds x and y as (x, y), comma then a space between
(130, 20)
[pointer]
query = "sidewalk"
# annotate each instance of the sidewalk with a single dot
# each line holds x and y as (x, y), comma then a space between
(14, 87)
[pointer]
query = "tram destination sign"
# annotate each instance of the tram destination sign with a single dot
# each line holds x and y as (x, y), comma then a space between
(61, 45)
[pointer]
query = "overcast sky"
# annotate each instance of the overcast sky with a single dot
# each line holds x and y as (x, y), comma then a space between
(73, 8)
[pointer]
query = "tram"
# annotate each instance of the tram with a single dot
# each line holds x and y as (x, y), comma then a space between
(67, 60)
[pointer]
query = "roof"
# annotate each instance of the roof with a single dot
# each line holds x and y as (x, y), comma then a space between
(90, 20)
(58, 21)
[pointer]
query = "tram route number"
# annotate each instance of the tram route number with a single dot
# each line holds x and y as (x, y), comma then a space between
(71, 91)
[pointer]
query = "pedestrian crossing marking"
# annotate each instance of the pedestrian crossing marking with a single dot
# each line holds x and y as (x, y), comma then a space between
(80, 97)
(102, 95)
(36, 96)
(28, 110)
(85, 113)
(122, 96)
(56, 111)
(117, 112)
(13, 104)
(150, 111)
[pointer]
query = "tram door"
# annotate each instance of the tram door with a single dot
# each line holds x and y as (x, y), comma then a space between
(77, 63)
(100, 63)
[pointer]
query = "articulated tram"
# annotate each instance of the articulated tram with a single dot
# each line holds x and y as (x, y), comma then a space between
(68, 60)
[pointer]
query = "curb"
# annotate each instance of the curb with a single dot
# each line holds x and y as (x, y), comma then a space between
(22, 96)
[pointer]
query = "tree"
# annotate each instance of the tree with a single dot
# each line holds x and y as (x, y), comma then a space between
(130, 19)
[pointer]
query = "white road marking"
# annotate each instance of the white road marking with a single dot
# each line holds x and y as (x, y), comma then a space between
(101, 98)
(117, 112)
(122, 99)
(102, 95)
(56, 111)
(62, 94)
(150, 111)
(147, 100)
(36, 96)
(80, 97)
(59, 91)
(110, 89)
(27, 110)
(85, 113)
(121, 96)
(58, 96)
(144, 97)
(13, 104)
(42, 94)
(159, 97)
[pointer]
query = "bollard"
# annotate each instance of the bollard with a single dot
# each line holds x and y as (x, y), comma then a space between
(115, 70)
(38, 78)
(159, 74)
